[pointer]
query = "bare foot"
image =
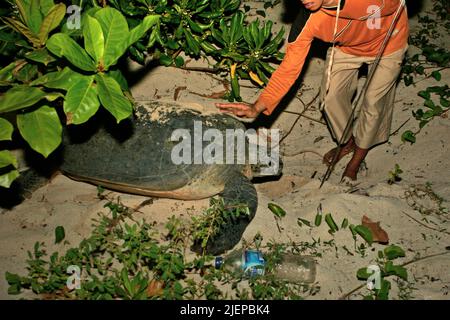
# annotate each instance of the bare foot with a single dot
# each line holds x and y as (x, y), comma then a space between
(351, 173)
(352, 168)
(346, 149)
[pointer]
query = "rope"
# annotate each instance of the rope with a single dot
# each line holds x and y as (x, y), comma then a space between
(331, 60)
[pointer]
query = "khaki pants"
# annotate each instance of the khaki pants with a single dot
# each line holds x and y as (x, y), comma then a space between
(373, 122)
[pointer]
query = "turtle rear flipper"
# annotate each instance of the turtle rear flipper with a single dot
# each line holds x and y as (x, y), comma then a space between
(238, 190)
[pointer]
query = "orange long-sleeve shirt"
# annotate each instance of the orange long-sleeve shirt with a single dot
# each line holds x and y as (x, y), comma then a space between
(357, 35)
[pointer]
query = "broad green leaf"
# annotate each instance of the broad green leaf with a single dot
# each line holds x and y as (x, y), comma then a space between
(422, 124)
(424, 94)
(64, 79)
(8, 178)
(398, 271)
(383, 293)
(353, 231)
(94, 42)
(444, 102)
(81, 101)
(112, 98)
(436, 75)
(365, 233)
(420, 69)
(62, 45)
(393, 252)
(137, 55)
(429, 114)
(60, 234)
(154, 37)
(277, 210)
(24, 9)
(262, 13)
(139, 31)
(429, 103)
(331, 223)
(126, 281)
(118, 76)
(27, 73)
(35, 16)
(46, 6)
(192, 44)
(6, 129)
(401, 272)
(12, 278)
(7, 159)
(116, 33)
(440, 90)
(15, 288)
(362, 274)
(41, 128)
(267, 66)
(20, 97)
(165, 60)
(51, 21)
(23, 29)
(389, 268)
(318, 219)
(40, 55)
(179, 61)
(409, 136)
(6, 74)
(344, 223)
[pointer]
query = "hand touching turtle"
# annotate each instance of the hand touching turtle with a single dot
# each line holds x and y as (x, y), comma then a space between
(241, 109)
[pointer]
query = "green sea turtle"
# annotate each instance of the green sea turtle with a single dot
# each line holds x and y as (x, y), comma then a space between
(142, 156)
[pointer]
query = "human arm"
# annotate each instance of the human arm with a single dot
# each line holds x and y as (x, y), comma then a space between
(242, 109)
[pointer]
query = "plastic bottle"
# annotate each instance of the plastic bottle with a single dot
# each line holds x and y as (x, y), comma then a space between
(295, 268)
(250, 263)
(291, 267)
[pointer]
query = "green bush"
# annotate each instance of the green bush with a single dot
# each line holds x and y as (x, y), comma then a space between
(52, 68)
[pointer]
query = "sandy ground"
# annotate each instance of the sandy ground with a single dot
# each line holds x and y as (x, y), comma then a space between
(73, 204)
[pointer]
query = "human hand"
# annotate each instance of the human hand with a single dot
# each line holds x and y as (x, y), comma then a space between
(239, 109)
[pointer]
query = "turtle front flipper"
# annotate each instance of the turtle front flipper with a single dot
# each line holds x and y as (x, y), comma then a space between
(238, 191)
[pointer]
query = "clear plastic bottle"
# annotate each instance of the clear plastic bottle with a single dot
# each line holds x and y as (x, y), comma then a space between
(250, 263)
(295, 268)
